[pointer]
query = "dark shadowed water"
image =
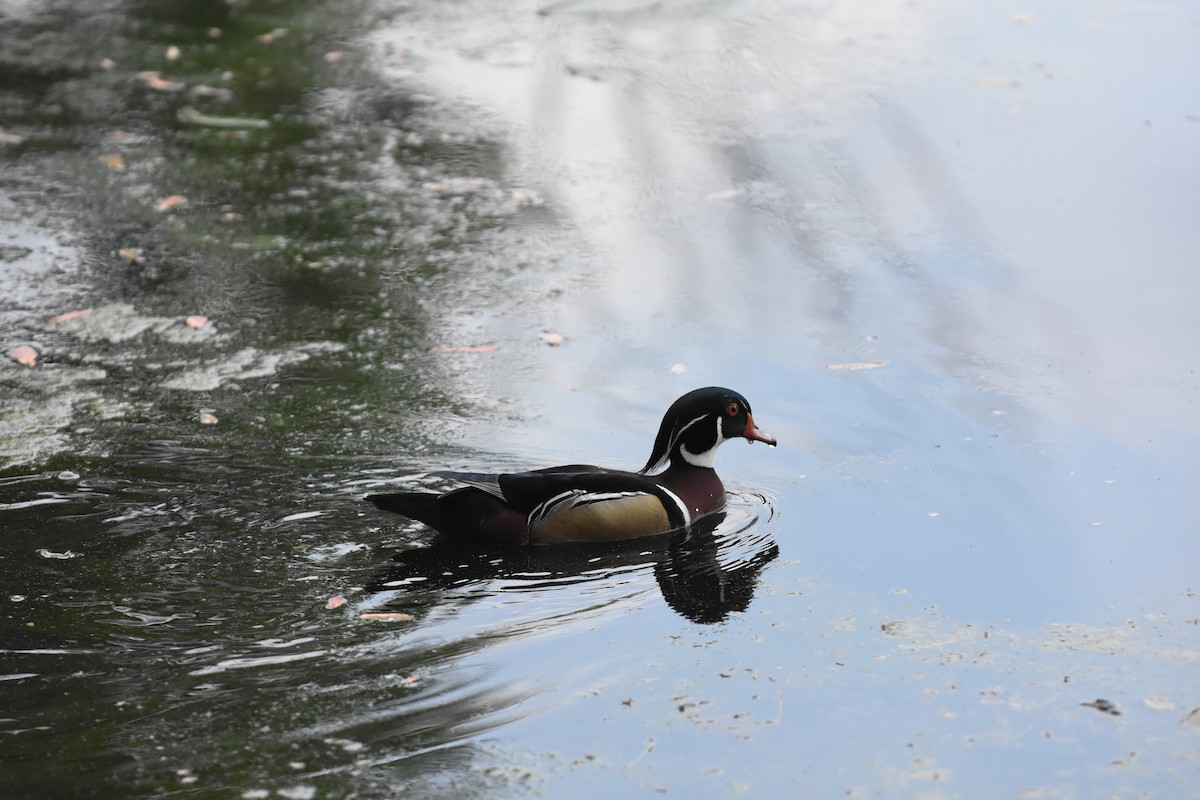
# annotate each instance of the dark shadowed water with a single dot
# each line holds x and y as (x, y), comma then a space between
(948, 252)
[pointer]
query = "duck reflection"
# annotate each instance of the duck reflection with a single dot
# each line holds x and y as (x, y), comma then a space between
(705, 572)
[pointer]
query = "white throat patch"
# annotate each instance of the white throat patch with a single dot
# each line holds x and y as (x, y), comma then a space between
(708, 458)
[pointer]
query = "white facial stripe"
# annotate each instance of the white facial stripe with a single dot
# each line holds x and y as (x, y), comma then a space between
(675, 438)
(680, 432)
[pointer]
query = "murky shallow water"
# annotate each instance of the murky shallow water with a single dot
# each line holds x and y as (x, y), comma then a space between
(926, 590)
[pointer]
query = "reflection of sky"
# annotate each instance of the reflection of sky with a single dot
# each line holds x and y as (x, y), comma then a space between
(981, 202)
(993, 528)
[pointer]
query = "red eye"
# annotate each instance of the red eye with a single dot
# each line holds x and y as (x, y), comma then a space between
(732, 409)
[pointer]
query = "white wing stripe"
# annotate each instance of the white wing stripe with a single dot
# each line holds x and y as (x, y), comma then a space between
(548, 507)
(666, 456)
(578, 497)
(599, 497)
(683, 509)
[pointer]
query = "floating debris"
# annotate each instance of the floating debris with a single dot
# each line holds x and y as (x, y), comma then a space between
(24, 355)
(387, 616)
(190, 116)
(196, 322)
(171, 202)
(1104, 706)
(130, 255)
(335, 602)
(83, 312)
(301, 515)
(207, 417)
(526, 197)
(851, 366)
(552, 338)
(44, 553)
(114, 161)
(1158, 704)
(160, 84)
(898, 627)
(219, 92)
(456, 185)
(270, 36)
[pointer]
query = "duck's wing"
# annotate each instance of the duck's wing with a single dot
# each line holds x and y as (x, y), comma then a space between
(583, 503)
(523, 490)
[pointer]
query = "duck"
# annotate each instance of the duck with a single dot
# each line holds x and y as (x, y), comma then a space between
(582, 503)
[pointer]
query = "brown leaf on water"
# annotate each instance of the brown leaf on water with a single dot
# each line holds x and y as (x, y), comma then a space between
(381, 616)
(552, 338)
(335, 601)
(171, 202)
(270, 36)
(71, 315)
(24, 354)
(478, 348)
(851, 366)
(196, 321)
(113, 161)
(159, 83)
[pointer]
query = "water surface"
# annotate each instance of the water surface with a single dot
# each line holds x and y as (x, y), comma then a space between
(946, 252)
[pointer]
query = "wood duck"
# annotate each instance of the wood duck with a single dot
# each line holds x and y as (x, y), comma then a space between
(580, 503)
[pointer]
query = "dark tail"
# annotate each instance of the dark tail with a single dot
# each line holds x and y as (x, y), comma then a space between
(415, 505)
(469, 513)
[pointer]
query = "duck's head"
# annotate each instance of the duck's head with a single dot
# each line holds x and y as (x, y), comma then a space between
(696, 424)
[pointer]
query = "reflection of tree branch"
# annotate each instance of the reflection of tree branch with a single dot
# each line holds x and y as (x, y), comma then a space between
(692, 566)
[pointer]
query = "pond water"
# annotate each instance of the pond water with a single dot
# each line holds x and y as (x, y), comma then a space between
(948, 253)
